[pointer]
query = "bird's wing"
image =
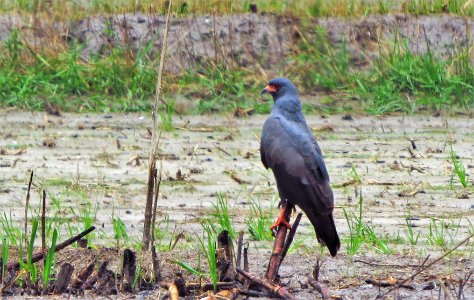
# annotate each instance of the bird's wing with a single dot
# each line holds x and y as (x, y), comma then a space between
(293, 147)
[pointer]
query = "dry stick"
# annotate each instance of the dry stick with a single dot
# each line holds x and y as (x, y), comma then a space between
(26, 208)
(240, 242)
(40, 256)
(155, 141)
(84, 275)
(463, 283)
(154, 256)
(313, 280)
(274, 263)
(210, 286)
(43, 223)
(275, 289)
(323, 290)
(246, 258)
(427, 266)
(290, 238)
(157, 184)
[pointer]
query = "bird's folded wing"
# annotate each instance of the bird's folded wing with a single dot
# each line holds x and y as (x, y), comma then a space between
(295, 149)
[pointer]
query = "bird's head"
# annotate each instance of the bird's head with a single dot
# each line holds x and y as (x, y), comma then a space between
(280, 87)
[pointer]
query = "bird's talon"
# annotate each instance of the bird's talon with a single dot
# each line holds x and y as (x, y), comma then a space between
(280, 221)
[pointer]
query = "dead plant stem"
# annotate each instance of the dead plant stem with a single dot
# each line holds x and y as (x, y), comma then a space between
(155, 141)
(27, 204)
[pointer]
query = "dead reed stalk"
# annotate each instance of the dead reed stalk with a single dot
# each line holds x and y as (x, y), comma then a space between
(155, 141)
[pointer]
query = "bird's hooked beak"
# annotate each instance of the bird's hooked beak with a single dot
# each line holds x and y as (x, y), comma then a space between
(269, 89)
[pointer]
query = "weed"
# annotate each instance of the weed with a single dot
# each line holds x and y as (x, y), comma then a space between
(138, 274)
(5, 252)
(361, 232)
(318, 54)
(410, 234)
(355, 176)
(443, 232)
(11, 230)
(120, 231)
(356, 227)
(259, 222)
(401, 79)
(185, 266)
(209, 249)
(167, 116)
(30, 266)
(220, 88)
(222, 216)
(48, 263)
(458, 169)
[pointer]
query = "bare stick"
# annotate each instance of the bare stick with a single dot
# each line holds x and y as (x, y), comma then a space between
(84, 275)
(157, 184)
(246, 258)
(427, 266)
(40, 256)
(154, 140)
(43, 222)
(322, 289)
(275, 289)
(290, 238)
(210, 286)
(27, 204)
(154, 256)
(156, 263)
(278, 245)
(239, 249)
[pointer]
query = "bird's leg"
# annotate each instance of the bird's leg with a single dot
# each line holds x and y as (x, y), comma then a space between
(283, 216)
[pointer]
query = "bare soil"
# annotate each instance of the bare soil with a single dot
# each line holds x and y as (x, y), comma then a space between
(403, 163)
(244, 39)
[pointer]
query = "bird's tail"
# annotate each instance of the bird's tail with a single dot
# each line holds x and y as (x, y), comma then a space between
(326, 231)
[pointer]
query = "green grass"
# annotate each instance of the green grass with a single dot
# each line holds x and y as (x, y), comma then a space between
(459, 170)
(5, 253)
(410, 234)
(403, 81)
(222, 217)
(361, 233)
(11, 230)
(48, 268)
(119, 80)
(303, 8)
(259, 222)
(208, 246)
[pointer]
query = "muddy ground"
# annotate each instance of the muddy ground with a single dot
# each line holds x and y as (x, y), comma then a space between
(90, 160)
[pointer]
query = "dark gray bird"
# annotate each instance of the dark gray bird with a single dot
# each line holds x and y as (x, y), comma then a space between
(289, 148)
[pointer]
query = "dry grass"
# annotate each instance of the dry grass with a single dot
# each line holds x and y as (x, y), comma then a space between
(67, 10)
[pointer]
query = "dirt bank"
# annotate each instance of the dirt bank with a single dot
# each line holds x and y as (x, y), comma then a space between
(244, 39)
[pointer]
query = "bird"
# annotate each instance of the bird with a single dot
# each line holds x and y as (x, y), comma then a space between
(291, 151)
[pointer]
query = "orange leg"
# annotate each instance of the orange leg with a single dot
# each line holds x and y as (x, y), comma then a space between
(281, 220)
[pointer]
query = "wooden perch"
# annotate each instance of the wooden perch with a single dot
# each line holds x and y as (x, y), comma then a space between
(289, 239)
(278, 247)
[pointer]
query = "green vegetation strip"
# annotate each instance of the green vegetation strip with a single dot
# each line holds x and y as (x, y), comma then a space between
(398, 80)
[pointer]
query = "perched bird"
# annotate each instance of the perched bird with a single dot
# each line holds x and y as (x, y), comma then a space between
(289, 148)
